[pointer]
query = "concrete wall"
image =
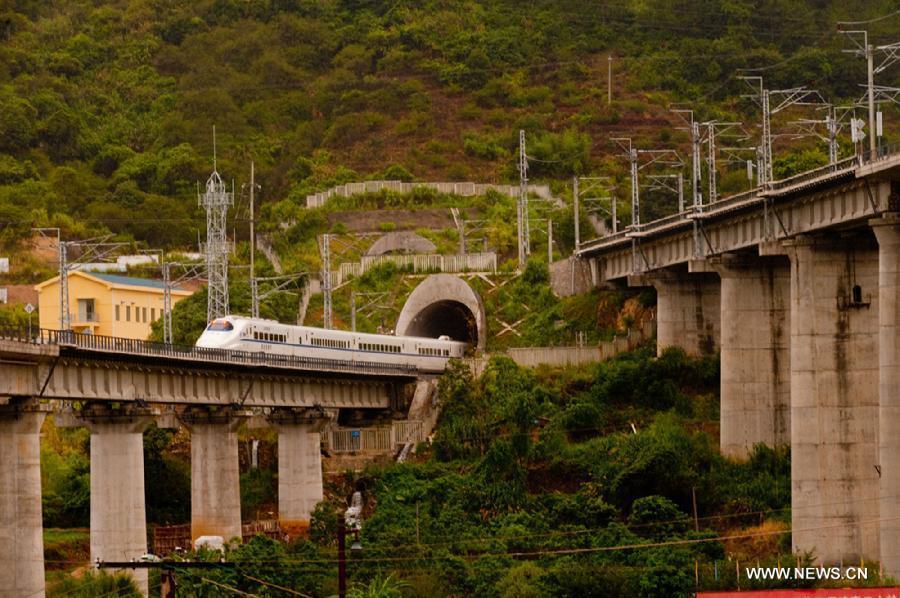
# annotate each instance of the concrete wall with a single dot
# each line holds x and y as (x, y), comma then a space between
(402, 242)
(570, 276)
(565, 356)
(465, 189)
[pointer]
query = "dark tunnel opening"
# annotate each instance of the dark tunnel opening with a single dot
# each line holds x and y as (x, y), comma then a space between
(451, 318)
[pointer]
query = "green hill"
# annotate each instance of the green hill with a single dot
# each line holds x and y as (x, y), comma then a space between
(107, 109)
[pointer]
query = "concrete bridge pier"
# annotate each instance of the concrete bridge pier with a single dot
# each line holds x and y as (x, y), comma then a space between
(834, 396)
(299, 470)
(21, 529)
(118, 510)
(755, 352)
(215, 476)
(687, 310)
(887, 231)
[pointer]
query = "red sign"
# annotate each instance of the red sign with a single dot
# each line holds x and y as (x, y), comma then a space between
(821, 593)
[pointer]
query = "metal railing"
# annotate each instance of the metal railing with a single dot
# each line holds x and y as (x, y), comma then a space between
(112, 344)
(378, 439)
(841, 167)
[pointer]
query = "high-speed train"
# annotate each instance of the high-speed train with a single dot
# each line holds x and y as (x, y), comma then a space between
(268, 336)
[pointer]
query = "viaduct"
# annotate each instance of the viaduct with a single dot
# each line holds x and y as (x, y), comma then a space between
(796, 284)
(117, 387)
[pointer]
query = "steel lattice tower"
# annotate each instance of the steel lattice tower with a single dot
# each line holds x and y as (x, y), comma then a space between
(216, 201)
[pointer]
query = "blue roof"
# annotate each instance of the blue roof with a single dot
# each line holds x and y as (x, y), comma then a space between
(128, 280)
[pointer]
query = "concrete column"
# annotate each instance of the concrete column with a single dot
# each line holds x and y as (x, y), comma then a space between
(215, 481)
(21, 530)
(687, 312)
(299, 472)
(118, 513)
(755, 363)
(834, 398)
(887, 231)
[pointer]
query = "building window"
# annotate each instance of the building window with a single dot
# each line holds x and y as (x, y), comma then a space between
(86, 312)
(127, 313)
(144, 314)
(152, 314)
(117, 314)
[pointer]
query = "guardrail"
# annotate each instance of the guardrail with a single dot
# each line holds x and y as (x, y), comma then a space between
(112, 344)
(379, 439)
(842, 166)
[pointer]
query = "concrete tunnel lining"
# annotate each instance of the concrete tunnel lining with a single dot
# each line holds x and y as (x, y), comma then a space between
(444, 304)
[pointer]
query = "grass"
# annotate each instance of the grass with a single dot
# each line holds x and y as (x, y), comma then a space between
(65, 549)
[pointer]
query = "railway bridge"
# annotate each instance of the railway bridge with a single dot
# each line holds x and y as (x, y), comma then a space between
(796, 284)
(117, 387)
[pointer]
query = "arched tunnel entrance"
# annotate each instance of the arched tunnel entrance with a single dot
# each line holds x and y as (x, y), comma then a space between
(444, 305)
(446, 317)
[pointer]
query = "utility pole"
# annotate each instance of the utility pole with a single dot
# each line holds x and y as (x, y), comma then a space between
(353, 310)
(326, 280)
(831, 125)
(865, 50)
(549, 242)
(254, 289)
(216, 201)
(64, 315)
(96, 248)
(795, 96)
(192, 271)
(167, 303)
(575, 215)
(342, 558)
(715, 128)
(609, 80)
(696, 140)
(711, 143)
(631, 155)
(870, 64)
(768, 172)
(522, 206)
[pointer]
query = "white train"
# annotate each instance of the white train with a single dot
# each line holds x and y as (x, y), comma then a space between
(268, 336)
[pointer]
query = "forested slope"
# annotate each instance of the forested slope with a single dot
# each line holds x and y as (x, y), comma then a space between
(106, 109)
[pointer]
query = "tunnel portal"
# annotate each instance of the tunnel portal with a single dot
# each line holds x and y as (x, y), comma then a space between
(444, 305)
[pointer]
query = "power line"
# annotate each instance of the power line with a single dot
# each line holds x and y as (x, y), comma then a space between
(875, 20)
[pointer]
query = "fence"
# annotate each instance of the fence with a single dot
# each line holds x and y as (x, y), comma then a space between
(563, 356)
(167, 538)
(465, 189)
(467, 262)
(379, 439)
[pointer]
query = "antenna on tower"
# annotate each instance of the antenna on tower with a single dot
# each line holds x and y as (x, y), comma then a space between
(216, 200)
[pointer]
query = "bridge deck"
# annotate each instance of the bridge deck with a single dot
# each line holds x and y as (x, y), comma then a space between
(45, 343)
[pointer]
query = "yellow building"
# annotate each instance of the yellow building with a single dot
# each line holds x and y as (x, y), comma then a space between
(106, 304)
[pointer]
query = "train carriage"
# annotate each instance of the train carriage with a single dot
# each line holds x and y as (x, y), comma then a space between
(271, 337)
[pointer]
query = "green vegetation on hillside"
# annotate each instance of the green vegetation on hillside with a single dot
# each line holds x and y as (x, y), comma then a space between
(106, 109)
(576, 483)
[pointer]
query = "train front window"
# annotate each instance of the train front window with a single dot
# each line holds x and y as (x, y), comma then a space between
(220, 326)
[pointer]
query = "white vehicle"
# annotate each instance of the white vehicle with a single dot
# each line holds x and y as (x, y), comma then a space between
(271, 337)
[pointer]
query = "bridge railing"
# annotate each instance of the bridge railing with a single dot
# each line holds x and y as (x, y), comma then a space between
(839, 166)
(112, 344)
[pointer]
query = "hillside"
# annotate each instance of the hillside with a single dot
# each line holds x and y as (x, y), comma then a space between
(106, 110)
(549, 483)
